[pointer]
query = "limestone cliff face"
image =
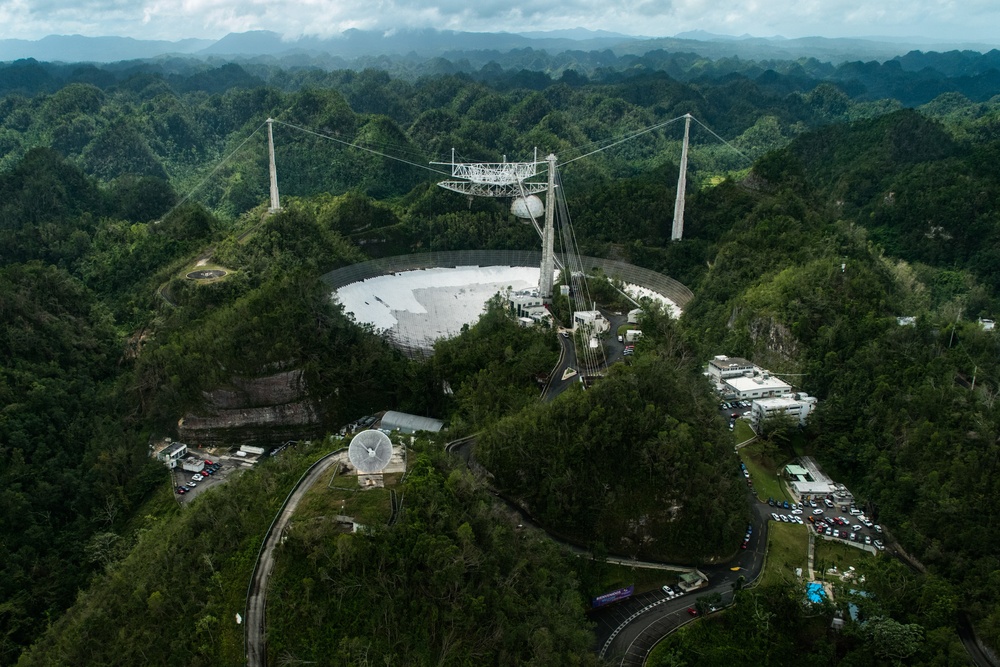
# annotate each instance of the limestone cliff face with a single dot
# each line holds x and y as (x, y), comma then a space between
(774, 337)
(254, 411)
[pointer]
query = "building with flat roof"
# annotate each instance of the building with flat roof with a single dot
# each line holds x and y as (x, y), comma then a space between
(172, 453)
(722, 367)
(591, 320)
(807, 481)
(794, 405)
(761, 385)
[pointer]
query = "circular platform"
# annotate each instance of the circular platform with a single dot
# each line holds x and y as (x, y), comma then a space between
(206, 274)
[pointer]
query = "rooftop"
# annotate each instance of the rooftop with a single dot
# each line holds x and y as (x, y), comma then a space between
(770, 382)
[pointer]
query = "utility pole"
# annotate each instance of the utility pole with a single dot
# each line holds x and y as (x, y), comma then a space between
(275, 202)
(678, 229)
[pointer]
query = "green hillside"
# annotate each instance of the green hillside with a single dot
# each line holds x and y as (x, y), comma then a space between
(844, 213)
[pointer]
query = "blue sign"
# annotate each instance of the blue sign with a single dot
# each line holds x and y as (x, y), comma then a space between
(613, 596)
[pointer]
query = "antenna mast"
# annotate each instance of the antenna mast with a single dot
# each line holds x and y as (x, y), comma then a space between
(678, 230)
(548, 237)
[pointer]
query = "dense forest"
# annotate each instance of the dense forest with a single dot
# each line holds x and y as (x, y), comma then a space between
(847, 207)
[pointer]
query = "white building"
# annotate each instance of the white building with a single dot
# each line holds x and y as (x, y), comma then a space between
(722, 367)
(752, 387)
(591, 320)
(172, 453)
(523, 300)
(193, 464)
(634, 315)
(795, 405)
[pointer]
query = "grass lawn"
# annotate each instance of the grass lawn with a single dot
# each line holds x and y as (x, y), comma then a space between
(836, 554)
(764, 476)
(742, 431)
(344, 496)
(787, 549)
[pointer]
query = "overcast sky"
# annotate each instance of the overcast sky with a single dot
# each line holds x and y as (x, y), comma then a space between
(952, 20)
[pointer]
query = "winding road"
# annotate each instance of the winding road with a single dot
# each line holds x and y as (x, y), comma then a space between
(254, 613)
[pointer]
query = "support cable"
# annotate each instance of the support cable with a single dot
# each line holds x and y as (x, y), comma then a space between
(637, 133)
(363, 148)
(212, 173)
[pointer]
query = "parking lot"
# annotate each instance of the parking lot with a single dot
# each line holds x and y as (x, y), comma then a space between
(194, 483)
(823, 517)
(733, 410)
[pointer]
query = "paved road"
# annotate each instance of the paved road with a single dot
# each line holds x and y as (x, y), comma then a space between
(257, 591)
(648, 617)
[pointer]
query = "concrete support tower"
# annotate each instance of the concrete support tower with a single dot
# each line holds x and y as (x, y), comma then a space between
(548, 235)
(275, 201)
(678, 230)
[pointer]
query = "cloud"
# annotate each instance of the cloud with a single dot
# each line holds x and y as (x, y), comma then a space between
(177, 19)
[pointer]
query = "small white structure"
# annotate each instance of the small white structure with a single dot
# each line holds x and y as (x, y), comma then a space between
(591, 320)
(632, 335)
(193, 464)
(172, 453)
(987, 325)
(634, 315)
(795, 405)
(906, 321)
(250, 449)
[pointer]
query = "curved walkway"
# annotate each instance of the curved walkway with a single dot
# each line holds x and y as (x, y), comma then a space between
(254, 613)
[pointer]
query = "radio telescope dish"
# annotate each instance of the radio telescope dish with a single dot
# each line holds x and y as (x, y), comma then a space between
(370, 452)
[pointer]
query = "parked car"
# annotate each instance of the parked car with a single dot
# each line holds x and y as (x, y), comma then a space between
(785, 504)
(879, 545)
(774, 515)
(181, 490)
(817, 511)
(192, 484)
(878, 528)
(868, 539)
(197, 478)
(796, 511)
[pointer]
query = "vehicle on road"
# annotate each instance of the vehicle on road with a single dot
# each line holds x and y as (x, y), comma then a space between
(692, 611)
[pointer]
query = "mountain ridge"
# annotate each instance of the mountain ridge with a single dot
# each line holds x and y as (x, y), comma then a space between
(430, 43)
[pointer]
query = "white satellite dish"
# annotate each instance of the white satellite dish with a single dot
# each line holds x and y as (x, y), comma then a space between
(370, 451)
